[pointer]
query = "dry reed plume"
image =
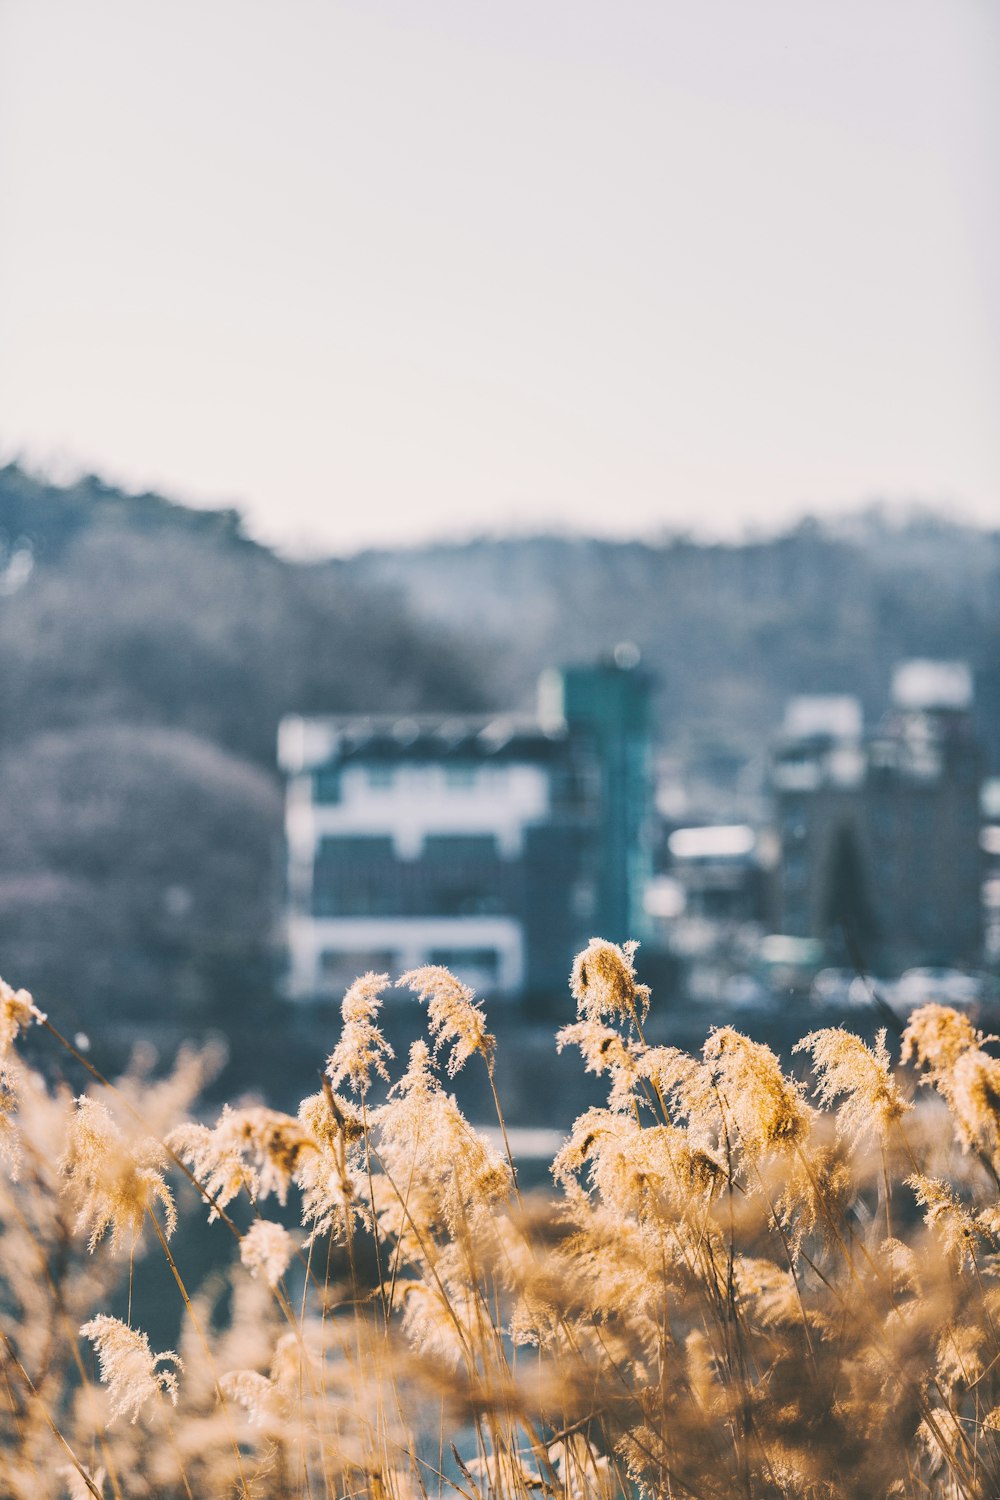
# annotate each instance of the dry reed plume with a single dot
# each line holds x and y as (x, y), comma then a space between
(740, 1285)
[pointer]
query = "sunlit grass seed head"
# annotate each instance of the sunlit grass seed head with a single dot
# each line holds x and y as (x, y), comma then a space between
(952, 1223)
(604, 1050)
(966, 1076)
(973, 1090)
(603, 982)
(266, 1250)
(936, 1036)
(426, 1141)
(860, 1076)
(113, 1184)
(761, 1110)
(129, 1366)
(453, 1015)
(17, 1011)
(440, 1313)
(253, 1148)
(961, 1354)
(326, 1176)
(10, 1145)
(362, 1049)
(813, 1191)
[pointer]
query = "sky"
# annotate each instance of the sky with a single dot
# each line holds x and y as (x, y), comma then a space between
(388, 271)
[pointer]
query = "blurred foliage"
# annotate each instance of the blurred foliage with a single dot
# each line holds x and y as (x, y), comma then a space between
(149, 652)
(730, 630)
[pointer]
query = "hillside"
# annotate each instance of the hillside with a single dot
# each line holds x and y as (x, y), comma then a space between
(729, 631)
(148, 654)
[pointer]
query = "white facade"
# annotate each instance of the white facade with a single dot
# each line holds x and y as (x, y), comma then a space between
(406, 799)
(406, 802)
(829, 729)
(327, 953)
(832, 715)
(928, 685)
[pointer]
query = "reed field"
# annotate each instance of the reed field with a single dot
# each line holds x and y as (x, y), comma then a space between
(739, 1283)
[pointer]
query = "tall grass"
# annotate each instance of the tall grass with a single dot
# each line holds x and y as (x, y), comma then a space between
(738, 1285)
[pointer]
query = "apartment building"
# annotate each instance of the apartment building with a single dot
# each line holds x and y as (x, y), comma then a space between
(879, 829)
(494, 844)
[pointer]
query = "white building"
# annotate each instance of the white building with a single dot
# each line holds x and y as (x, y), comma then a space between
(494, 845)
(405, 842)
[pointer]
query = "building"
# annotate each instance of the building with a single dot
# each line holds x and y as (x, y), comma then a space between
(720, 868)
(989, 842)
(879, 832)
(495, 845)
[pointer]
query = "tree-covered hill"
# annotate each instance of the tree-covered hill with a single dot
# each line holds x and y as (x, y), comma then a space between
(148, 652)
(130, 609)
(730, 630)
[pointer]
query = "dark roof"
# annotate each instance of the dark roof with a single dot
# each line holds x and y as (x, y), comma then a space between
(436, 738)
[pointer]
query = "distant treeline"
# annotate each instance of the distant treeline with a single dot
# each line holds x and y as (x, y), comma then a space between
(730, 631)
(149, 651)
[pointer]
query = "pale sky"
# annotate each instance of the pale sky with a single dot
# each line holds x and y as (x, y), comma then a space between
(398, 269)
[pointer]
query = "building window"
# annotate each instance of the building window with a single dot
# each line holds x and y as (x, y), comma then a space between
(347, 848)
(380, 776)
(338, 968)
(883, 821)
(443, 847)
(467, 901)
(461, 776)
(353, 876)
(583, 899)
(326, 784)
(483, 960)
(576, 789)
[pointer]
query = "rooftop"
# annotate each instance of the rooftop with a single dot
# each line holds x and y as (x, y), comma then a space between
(823, 716)
(929, 685)
(305, 744)
(714, 841)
